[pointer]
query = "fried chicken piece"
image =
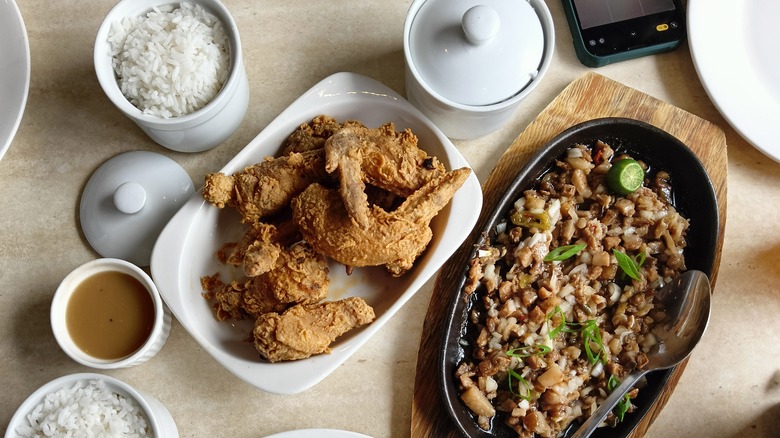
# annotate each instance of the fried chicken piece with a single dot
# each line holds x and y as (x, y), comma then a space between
(300, 275)
(227, 298)
(381, 157)
(312, 135)
(267, 187)
(393, 239)
(306, 330)
(261, 245)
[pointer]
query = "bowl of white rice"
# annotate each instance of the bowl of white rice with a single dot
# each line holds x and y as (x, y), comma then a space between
(91, 405)
(175, 69)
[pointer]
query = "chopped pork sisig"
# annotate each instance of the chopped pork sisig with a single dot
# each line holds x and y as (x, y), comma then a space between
(565, 293)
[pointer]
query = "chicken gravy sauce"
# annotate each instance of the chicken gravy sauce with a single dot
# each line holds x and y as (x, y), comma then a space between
(110, 315)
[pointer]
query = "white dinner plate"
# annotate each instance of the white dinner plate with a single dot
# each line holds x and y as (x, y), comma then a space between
(14, 71)
(734, 45)
(185, 250)
(318, 433)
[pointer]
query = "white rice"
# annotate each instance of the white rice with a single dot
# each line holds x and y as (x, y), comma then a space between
(85, 410)
(171, 62)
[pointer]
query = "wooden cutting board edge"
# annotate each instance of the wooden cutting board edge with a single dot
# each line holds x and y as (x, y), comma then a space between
(588, 97)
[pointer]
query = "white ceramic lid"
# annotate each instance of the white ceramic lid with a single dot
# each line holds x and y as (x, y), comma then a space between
(127, 202)
(476, 52)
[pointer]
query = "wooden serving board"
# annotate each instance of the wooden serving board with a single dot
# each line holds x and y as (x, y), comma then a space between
(590, 96)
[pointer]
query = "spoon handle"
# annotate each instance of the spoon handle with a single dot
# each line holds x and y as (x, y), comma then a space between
(609, 403)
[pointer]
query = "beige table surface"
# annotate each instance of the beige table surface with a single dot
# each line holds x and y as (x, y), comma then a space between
(731, 387)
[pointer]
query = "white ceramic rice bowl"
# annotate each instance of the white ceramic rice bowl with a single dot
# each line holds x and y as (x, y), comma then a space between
(200, 130)
(159, 419)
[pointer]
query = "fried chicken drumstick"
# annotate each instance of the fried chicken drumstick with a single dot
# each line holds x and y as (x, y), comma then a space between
(306, 330)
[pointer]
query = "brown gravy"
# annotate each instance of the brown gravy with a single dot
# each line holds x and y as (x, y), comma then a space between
(110, 315)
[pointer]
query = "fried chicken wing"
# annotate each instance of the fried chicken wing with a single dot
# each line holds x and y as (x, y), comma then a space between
(393, 239)
(261, 245)
(306, 330)
(267, 187)
(299, 275)
(381, 157)
(312, 135)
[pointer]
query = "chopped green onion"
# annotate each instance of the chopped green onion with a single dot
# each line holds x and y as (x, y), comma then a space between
(612, 383)
(627, 264)
(622, 407)
(532, 350)
(640, 259)
(554, 332)
(624, 404)
(563, 252)
(512, 373)
(591, 333)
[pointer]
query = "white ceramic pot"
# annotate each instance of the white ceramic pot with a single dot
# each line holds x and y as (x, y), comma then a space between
(470, 63)
(159, 420)
(200, 130)
(160, 329)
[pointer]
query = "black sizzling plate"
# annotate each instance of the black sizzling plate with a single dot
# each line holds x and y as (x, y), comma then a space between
(693, 196)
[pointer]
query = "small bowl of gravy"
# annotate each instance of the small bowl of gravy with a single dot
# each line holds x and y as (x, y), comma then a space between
(107, 313)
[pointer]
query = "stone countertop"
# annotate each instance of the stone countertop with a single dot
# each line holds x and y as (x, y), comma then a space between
(730, 388)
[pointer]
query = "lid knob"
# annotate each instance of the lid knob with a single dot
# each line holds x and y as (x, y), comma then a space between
(480, 23)
(129, 197)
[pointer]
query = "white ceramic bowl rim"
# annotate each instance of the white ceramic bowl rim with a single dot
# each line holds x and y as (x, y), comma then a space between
(112, 383)
(549, 41)
(107, 77)
(60, 302)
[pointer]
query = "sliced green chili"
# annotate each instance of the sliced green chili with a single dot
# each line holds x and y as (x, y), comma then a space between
(527, 219)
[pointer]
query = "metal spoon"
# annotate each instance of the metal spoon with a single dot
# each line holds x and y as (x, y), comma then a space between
(687, 301)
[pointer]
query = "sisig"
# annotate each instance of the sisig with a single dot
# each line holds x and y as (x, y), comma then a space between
(564, 294)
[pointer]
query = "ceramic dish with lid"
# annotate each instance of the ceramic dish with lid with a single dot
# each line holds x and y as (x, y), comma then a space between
(469, 64)
(197, 131)
(693, 196)
(187, 246)
(159, 422)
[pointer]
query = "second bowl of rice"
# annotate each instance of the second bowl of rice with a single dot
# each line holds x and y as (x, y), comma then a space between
(91, 405)
(175, 69)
